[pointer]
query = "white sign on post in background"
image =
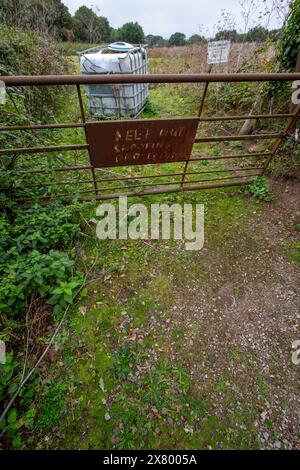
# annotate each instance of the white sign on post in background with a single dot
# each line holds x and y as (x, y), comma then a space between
(218, 52)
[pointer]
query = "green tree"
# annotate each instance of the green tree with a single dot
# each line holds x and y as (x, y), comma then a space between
(227, 35)
(155, 40)
(114, 34)
(89, 27)
(105, 28)
(63, 20)
(177, 39)
(196, 39)
(257, 34)
(130, 32)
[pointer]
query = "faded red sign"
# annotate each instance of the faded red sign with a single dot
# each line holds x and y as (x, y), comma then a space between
(140, 142)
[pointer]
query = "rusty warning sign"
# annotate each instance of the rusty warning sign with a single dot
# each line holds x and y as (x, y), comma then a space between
(140, 142)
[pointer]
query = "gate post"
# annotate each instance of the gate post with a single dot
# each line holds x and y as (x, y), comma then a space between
(199, 115)
(86, 136)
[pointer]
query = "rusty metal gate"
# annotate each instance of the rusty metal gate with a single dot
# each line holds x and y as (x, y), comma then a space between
(140, 144)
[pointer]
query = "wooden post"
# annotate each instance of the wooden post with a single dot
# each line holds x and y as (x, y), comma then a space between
(204, 92)
(86, 136)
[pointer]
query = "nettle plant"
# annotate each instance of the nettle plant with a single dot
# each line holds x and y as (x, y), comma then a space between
(31, 264)
(37, 261)
(37, 255)
(259, 188)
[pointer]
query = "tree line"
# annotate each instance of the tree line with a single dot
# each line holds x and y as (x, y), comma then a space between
(86, 25)
(256, 34)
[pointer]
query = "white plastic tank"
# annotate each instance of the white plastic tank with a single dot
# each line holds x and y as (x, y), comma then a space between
(118, 100)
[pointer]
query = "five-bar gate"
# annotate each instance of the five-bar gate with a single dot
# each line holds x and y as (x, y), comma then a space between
(117, 155)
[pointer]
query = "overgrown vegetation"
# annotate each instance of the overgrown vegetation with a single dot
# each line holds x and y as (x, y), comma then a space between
(22, 53)
(259, 188)
(289, 43)
(287, 162)
(38, 277)
(37, 256)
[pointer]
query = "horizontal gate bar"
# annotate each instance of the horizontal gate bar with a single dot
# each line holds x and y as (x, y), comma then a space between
(241, 118)
(133, 178)
(53, 148)
(88, 167)
(50, 170)
(149, 192)
(203, 119)
(169, 183)
(221, 138)
(237, 155)
(56, 148)
(28, 80)
(159, 190)
(41, 126)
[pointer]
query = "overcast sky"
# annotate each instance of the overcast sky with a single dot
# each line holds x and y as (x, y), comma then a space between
(165, 17)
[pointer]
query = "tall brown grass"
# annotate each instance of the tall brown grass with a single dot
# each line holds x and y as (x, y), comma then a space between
(193, 59)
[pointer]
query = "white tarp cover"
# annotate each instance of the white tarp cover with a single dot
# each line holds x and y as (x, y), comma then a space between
(120, 100)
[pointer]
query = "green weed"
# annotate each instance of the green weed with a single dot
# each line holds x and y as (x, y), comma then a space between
(294, 251)
(259, 188)
(53, 402)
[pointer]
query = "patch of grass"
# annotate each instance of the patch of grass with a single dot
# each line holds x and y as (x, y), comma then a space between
(154, 412)
(236, 354)
(53, 403)
(159, 290)
(170, 100)
(221, 385)
(150, 110)
(263, 387)
(294, 251)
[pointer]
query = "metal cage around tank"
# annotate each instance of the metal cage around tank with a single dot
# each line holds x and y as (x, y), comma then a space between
(116, 99)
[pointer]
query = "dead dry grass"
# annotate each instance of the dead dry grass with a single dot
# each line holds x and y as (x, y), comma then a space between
(192, 59)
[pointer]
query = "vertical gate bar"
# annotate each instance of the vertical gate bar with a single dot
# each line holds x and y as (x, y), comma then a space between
(291, 121)
(86, 136)
(199, 115)
(204, 93)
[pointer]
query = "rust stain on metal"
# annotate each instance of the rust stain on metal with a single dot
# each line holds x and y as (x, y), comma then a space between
(140, 142)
